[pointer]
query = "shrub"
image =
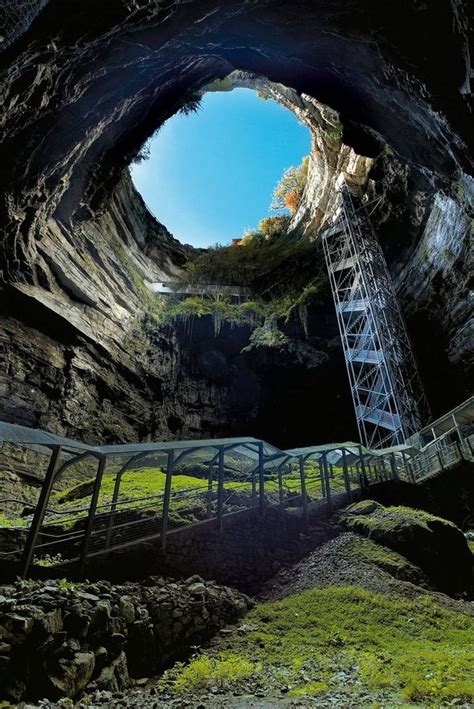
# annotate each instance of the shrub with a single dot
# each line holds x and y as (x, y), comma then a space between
(289, 190)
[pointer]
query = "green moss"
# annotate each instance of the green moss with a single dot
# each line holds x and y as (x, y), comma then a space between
(386, 559)
(47, 560)
(470, 544)
(333, 131)
(12, 522)
(387, 520)
(312, 641)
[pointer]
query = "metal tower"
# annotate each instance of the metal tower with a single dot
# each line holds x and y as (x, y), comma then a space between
(386, 389)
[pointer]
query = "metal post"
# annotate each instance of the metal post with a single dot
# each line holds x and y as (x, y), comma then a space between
(393, 465)
(347, 482)
(261, 478)
(362, 469)
(113, 507)
(254, 486)
(326, 478)
(167, 498)
(209, 491)
(304, 498)
(408, 468)
(321, 475)
(92, 511)
(220, 488)
(457, 428)
(280, 484)
(40, 511)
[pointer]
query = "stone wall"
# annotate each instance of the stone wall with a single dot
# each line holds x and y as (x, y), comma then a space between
(59, 639)
(248, 550)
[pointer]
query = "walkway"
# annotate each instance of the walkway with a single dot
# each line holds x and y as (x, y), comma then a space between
(123, 494)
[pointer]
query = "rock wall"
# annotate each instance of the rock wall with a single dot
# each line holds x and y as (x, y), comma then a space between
(70, 357)
(59, 639)
(243, 554)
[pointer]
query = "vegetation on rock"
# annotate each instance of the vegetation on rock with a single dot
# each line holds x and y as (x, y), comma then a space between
(434, 544)
(289, 191)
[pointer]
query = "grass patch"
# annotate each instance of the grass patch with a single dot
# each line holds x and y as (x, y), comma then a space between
(12, 521)
(335, 638)
(217, 672)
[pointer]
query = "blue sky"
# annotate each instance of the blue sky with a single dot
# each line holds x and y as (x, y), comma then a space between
(211, 175)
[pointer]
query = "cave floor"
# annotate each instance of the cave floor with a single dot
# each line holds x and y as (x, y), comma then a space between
(389, 643)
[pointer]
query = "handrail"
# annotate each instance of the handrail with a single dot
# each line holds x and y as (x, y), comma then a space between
(116, 522)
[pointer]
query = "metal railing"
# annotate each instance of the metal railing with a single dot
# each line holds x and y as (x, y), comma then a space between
(109, 516)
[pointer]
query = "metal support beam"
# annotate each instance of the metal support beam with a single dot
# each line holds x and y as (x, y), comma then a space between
(363, 471)
(326, 477)
(393, 465)
(209, 490)
(220, 488)
(280, 484)
(261, 478)
(345, 473)
(322, 476)
(40, 511)
(304, 497)
(91, 513)
(167, 498)
(386, 389)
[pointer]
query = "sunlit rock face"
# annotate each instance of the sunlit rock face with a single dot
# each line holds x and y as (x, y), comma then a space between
(329, 157)
(81, 90)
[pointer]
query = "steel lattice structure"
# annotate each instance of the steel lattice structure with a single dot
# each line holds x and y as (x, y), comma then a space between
(386, 389)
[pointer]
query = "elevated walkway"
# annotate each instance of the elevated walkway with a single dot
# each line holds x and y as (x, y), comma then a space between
(188, 484)
(174, 288)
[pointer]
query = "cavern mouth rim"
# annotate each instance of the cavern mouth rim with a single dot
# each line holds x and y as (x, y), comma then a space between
(241, 147)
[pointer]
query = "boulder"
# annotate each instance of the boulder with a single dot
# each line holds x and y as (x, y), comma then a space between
(69, 676)
(436, 545)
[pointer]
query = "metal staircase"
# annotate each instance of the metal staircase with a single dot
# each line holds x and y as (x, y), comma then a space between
(386, 389)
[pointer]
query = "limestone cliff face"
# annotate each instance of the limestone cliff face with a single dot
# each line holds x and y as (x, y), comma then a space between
(329, 156)
(82, 90)
(69, 336)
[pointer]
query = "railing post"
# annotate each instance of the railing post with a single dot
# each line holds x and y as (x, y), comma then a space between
(408, 468)
(91, 513)
(280, 484)
(321, 475)
(167, 498)
(220, 488)
(304, 498)
(345, 473)
(254, 485)
(209, 491)
(460, 449)
(113, 507)
(363, 472)
(393, 465)
(326, 478)
(40, 511)
(261, 478)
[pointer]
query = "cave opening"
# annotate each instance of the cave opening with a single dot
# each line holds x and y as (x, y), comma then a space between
(209, 174)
